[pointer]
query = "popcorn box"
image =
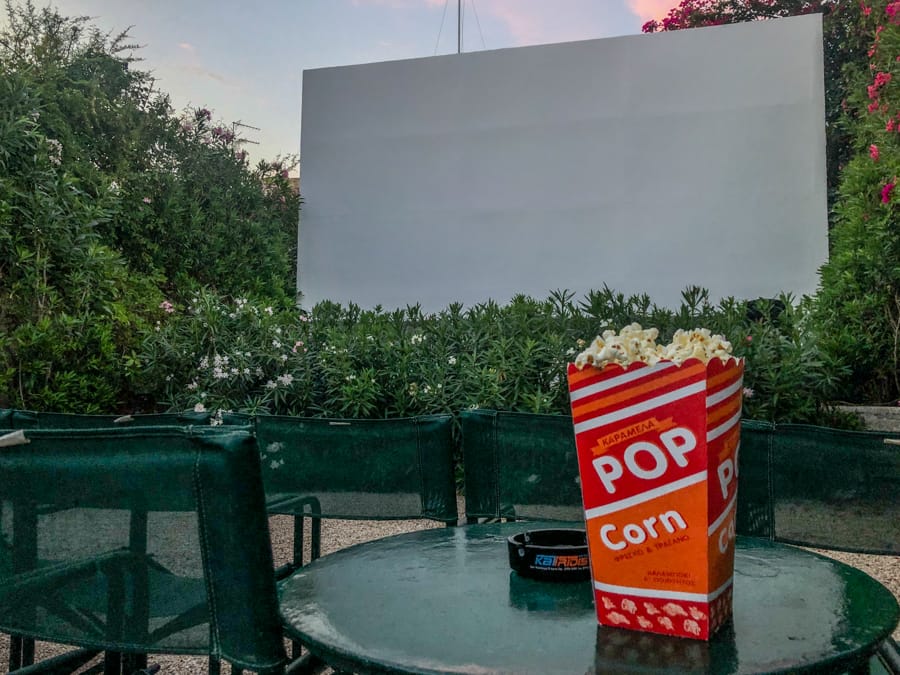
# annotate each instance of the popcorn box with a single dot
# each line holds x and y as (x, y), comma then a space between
(657, 457)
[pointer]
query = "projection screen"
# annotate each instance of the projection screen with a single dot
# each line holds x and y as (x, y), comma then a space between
(646, 163)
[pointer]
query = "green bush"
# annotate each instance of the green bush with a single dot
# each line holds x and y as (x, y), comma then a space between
(110, 203)
(246, 356)
(68, 306)
(859, 300)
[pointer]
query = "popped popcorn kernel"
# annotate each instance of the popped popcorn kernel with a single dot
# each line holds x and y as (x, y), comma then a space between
(634, 343)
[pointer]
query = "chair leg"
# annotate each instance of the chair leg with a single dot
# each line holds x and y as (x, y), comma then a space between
(132, 663)
(112, 663)
(296, 647)
(215, 666)
(21, 652)
(15, 652)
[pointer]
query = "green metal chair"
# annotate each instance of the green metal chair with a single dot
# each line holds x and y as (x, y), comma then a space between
(820, 487)
(137, 540)
(318, 468)
(823, 488)
(391, 469)
(520, 466)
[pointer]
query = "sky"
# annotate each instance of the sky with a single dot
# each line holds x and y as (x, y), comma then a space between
(244, 59)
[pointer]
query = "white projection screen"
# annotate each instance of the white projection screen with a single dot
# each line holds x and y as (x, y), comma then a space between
(646, 163)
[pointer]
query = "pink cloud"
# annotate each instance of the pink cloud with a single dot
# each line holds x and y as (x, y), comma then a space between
(399, 4)
(537, 21)
(651, 9)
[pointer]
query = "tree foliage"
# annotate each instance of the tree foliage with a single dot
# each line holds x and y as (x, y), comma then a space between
(110, 203)
(859, 301)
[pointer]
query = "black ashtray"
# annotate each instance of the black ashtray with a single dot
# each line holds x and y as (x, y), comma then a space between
(550, 555)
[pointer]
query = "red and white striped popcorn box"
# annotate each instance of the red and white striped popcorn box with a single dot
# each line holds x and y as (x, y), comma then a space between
(657, 458)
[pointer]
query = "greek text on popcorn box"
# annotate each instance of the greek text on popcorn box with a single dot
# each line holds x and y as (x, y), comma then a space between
(657, 456)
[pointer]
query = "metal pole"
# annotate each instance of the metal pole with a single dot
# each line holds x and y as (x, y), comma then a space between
(458, 26)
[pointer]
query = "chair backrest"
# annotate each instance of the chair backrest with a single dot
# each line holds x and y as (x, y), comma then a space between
(139, 539)
(821, 487)
(380, 469)
(798, 484)
(520, 466)
(29, 419)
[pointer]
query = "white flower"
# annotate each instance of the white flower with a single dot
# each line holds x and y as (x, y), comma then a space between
(199, 408)
(55, 154)
(286, 379)
(276, 344)
(452, 360)
(417, 339)
(274, 447)
(269, 311)
(113, 187)
(271, 385)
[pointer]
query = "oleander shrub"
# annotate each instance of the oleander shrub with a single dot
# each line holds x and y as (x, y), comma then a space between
(111, 206)
(241, 355)
(68, 305)
(859, 300)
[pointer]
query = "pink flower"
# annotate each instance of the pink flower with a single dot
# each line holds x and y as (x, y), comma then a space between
(873, 152)
(749, 339)
(748, 392)
(890, 125)
(873, 106)
(297, 344)
(886, 192)
(147, 200)
(167, 307)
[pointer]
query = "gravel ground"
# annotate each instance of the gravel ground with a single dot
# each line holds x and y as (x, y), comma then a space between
(338, 534)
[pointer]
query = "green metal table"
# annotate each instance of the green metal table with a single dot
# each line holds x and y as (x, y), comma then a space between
(445, 601)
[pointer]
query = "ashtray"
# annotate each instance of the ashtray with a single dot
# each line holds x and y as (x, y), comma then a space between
(550, 555)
